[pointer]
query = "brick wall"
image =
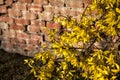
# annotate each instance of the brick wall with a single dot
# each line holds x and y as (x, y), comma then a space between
(22, 22)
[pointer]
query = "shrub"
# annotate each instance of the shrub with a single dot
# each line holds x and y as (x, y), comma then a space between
(82, 49)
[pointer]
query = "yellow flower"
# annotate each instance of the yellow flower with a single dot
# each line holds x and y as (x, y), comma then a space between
(118, 10)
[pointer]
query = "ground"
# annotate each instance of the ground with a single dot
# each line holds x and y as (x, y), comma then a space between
(12, 67)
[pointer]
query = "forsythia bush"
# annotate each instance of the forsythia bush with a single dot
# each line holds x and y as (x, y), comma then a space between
(82, 49)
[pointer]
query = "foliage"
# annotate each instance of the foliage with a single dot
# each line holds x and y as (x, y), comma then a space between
(74, 52)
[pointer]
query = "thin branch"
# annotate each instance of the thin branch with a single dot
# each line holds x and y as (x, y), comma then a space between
(91, 44)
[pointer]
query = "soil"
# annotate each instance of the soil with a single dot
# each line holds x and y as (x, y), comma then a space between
(12, 67)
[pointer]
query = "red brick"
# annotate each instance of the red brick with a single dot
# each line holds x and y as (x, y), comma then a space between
(7, 19)
(37, 23)
(35, 8)
(30, 50)
(20, 6)
(57, 25)
(33, 29)
(42, 23)
(17, 27)
(20, 41)
(29, 15)
(1, 2)
(87, 1)
(59, 3)
(49, 24)
(14, 13)
(25, 1)
(35, 40)
(35, 37)
(22, 21)
(53, 25)
(40, 2)
(22, 35)
(8, 2)
(28, 47)
(3, 9)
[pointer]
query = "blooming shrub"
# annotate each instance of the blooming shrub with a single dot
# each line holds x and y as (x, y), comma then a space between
(76, 50)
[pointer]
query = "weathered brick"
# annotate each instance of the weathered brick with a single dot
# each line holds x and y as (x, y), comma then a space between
(35, 40)
(22, 35)
(22, 21)
(6, 19)
(3, 9)
(40, 2)
(30, 50)
(56, 10)
(12, 33)
(20, 48)
(37, 23)
(53, 25)
(42, 23)
(64, 11)
(79, 11)
(14, 13)
(48, 16)
(33, 29)
(8, 2)
(20, 41)
(3, 25)
(7, 46)
(28, 47)
(17, 27)
(25, 1)
(6, 34)
(87, 1)
(32, 17)
(72, 12)
(35, 37)
(35, 8)
(74, 3)
(12, 39)
(29, 15)
(48, 8)
(1, 1)
(20, 6)
(49, 24)
(59, 3)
